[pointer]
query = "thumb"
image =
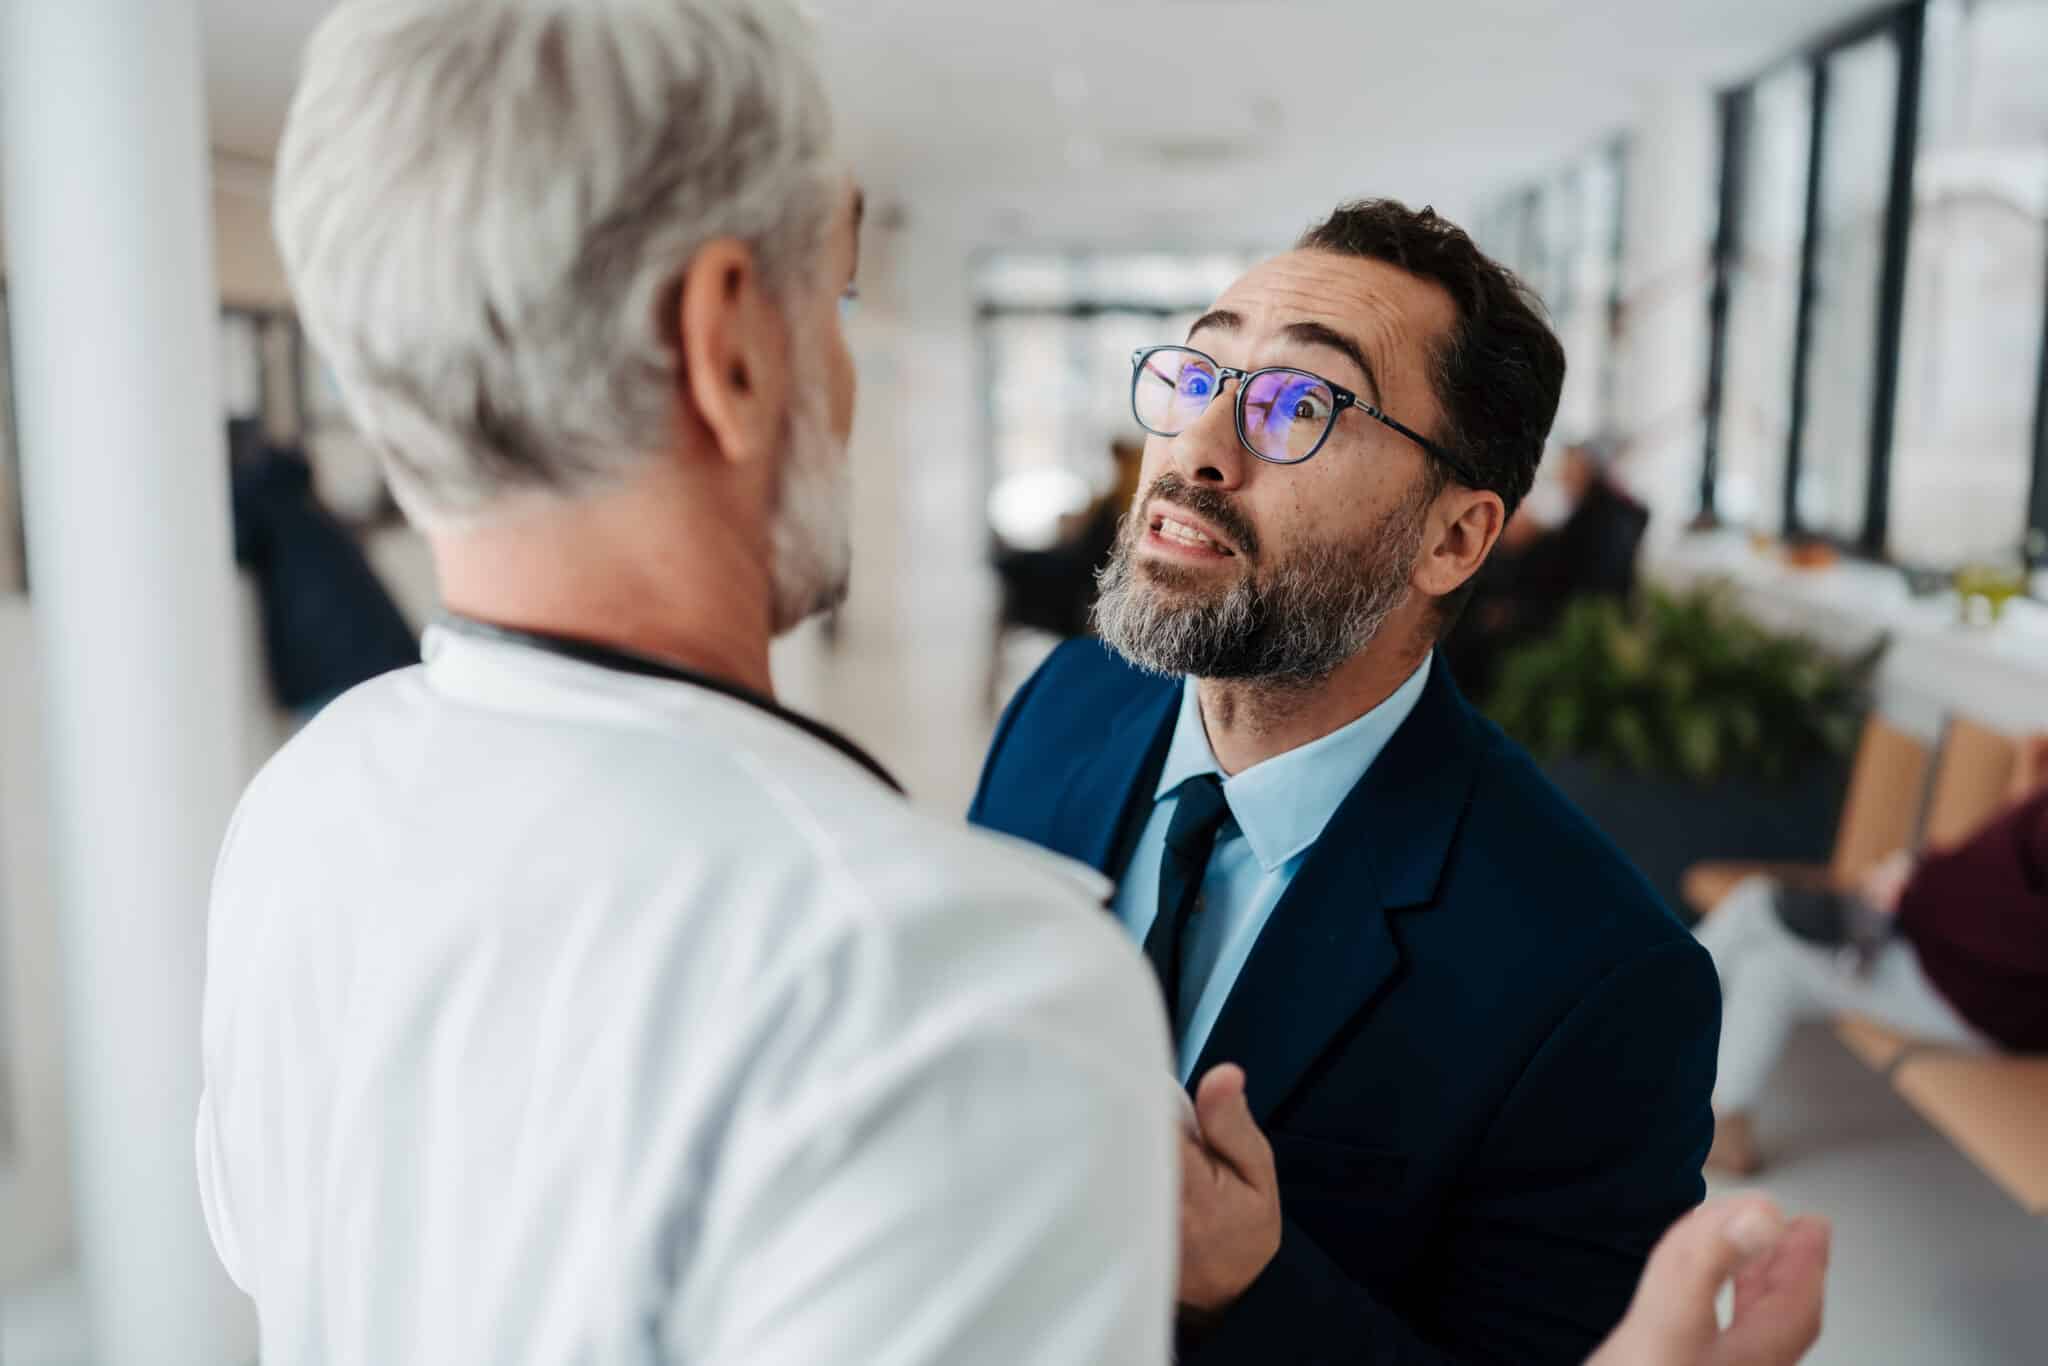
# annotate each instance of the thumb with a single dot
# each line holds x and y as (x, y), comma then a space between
(1673, 1315)
(1228, 1129)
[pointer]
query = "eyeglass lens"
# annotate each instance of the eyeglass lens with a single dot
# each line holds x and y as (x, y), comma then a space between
(1286, 412)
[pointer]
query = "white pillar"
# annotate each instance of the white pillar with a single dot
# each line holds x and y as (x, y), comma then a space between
(113, 303)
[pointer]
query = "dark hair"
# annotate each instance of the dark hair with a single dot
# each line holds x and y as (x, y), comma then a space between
(1499, 372)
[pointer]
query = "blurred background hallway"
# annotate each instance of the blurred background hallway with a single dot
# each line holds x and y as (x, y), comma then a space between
(1798, 254)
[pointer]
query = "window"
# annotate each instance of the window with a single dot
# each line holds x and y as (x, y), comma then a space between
(1755, 427)
(259, 370)
(1962, 469)
(241, 364)
(1880, 362)
(1563, 237)
(1583, 286)
(1855, 155)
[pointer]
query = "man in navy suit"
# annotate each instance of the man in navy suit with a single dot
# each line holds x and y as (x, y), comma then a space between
(1472, 1052)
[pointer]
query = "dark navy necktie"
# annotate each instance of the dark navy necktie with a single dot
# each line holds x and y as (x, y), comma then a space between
(1190, 838)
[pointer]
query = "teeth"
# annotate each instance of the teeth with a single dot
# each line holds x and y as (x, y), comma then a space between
(1185, 534)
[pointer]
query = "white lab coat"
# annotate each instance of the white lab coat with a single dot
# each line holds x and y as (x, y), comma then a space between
(556, 1015)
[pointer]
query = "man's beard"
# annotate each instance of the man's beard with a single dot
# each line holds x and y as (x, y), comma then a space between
(812, 542)
(1289, 627)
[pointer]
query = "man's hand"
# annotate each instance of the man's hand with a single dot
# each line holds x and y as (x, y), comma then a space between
(1780, 1272)
(1882, 887)
(1229, 1196)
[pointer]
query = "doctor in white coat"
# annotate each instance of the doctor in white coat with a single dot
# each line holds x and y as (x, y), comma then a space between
(567, 999)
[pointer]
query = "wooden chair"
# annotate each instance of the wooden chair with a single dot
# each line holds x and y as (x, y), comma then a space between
(1879, 814)
(1972, 771)
(1995, 1109)
(1971, 777)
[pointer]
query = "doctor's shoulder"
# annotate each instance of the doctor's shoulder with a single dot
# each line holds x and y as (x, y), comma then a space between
(889, 849)
(932, 880)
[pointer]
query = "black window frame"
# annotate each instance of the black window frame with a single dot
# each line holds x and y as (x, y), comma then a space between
(1616, 152)
(1905, 24)
(13, 539)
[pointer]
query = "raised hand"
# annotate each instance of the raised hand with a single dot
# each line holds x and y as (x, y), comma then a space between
(1229, 1196)
(1780, 1274)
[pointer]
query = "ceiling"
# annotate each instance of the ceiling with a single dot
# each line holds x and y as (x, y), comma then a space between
(1186, 122)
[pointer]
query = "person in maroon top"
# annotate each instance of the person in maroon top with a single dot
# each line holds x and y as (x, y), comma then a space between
(1966, 963)
(1977, 916)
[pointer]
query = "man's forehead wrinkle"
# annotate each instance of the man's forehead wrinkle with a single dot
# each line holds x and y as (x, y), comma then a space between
(1375, 324)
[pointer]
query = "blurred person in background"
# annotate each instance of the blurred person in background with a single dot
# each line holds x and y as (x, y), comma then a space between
(1051, 588)
(1479, 1046)
(1576, 537)
(567, 999)
(328, 621)
(1951, 948)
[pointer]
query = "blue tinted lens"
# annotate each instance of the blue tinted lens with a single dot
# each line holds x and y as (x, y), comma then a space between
(1171, 389)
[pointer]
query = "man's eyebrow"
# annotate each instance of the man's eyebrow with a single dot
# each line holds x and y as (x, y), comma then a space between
(1317, 334)
(860, 211)
(1216, 317)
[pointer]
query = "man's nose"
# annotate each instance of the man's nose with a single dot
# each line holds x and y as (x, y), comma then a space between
(1208, 452)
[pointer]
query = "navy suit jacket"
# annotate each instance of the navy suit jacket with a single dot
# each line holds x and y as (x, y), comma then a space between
(1481, 1046)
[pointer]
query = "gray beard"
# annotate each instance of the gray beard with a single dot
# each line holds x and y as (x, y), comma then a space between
(813, 553)
(1319, 607)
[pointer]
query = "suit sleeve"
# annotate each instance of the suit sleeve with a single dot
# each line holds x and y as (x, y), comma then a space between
(1595, 1153)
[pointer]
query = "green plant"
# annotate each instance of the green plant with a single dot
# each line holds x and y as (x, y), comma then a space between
(1682, 684)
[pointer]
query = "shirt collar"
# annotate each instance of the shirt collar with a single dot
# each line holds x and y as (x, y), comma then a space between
(1281, 805)
(452, 643)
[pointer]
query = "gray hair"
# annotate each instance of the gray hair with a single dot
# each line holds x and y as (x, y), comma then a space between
(484, 207)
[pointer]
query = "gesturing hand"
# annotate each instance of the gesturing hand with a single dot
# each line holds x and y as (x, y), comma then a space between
(1229, 1196)
(1780, 1273)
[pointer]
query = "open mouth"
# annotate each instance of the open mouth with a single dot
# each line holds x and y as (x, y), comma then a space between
(1183, 535)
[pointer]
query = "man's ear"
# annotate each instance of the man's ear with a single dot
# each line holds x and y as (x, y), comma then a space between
(1463, 526)
(735, 351)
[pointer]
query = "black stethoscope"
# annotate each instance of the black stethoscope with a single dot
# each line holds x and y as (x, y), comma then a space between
(624, 661)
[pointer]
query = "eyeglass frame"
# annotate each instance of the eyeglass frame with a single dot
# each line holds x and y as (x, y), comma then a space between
(1341, 398)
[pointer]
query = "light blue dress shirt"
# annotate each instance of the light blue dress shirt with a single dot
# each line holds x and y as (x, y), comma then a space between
(1277, 808)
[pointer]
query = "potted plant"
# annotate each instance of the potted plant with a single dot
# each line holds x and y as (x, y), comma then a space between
(1688, 731)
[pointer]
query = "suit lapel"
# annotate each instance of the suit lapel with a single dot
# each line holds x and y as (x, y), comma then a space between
(1329, 951)
(1105, 802)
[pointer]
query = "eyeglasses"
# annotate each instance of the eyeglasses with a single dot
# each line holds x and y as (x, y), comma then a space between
(1283, 415)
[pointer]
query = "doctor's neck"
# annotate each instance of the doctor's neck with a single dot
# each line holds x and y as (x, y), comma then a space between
(668, 564)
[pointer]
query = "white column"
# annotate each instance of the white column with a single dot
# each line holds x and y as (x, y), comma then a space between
(113, 302)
